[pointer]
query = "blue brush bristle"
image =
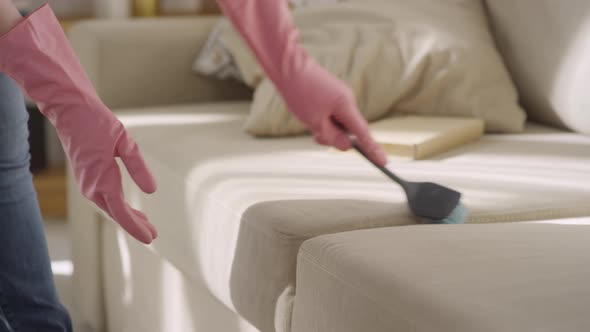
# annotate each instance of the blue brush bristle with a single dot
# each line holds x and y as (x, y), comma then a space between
(458, 216)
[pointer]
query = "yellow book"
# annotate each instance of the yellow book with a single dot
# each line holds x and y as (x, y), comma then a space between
(421, 137)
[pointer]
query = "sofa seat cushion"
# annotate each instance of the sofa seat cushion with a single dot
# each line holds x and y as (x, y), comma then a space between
(232, 210)
(493, 277)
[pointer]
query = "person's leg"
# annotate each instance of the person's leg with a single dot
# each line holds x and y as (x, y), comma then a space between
(28, 298)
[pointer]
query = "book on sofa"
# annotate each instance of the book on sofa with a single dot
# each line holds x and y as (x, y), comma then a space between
(421, 137)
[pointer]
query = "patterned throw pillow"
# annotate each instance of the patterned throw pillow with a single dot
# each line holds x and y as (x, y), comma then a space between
(215, 59)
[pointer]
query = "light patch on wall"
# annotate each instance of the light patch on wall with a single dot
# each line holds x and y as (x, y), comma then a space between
(62, 267)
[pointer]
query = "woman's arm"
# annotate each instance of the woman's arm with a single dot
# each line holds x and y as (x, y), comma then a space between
(36, 54)
(313, 95)
(9, 16)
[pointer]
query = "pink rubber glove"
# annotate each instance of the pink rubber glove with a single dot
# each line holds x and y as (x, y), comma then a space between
(312, 94)
(37, 55)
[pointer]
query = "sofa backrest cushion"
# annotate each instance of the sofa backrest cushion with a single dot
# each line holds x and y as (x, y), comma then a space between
(418, 57)
(546, 45)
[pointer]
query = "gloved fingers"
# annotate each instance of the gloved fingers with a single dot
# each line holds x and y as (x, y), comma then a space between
(351, 119)
(143, 217)
(128, 151)
(331, 135)
(134, 224)
(109, 197)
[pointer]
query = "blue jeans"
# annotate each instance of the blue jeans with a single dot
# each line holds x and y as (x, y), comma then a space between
(28, 298)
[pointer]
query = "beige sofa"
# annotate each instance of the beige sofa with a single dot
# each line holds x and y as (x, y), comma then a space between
(284, 235)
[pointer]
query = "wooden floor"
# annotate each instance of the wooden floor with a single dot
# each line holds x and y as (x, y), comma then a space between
(51, 190)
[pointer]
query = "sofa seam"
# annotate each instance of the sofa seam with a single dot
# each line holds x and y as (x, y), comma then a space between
(522, 215)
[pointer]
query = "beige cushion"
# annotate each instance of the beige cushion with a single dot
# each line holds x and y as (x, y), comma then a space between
(546, 45)
(425, 57)
(459, 278)
(232, 210)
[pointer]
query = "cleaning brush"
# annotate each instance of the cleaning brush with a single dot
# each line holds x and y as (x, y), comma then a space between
(430, 202)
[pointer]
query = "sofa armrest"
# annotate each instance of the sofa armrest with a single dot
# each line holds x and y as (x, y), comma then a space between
(145, 62)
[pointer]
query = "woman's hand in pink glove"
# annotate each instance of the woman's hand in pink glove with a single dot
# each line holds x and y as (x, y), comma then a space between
(313, 95)
(108, 193)
(37, 55)
(322, 102)
(92, 145)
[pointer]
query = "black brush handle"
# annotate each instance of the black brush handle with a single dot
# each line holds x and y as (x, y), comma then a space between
(360, 150)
